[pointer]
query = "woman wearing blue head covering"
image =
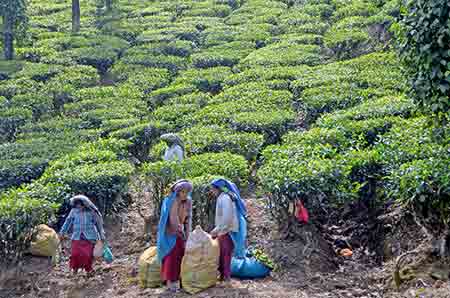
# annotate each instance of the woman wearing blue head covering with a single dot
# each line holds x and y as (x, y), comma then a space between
(230, 224)
(173, 229)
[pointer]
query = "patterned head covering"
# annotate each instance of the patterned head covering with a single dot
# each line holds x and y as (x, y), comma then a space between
(88, 204)
(180, 185)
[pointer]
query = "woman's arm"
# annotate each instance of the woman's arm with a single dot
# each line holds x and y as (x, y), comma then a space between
(225, 215)
(99, 225)
(67, 224)
(188, 223)
(174, 223)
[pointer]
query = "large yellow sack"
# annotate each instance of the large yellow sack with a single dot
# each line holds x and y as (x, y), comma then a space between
(149, 269)
(45, 242)
(200, 261)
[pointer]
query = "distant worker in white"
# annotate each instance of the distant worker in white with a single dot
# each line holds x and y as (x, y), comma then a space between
(175, 151)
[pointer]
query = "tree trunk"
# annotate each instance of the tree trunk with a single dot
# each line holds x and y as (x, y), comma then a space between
(75, 16)
(8, 37)
(108, 4)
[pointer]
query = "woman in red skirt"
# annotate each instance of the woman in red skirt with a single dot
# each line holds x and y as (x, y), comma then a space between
(230, 225)
(173, 231)
(85, 223)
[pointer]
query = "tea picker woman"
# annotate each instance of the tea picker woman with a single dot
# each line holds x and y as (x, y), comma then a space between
(230, 225)
(173, 230)
(175, 151)
(85, 223)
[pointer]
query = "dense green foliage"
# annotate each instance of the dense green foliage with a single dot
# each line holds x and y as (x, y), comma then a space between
(425, 48)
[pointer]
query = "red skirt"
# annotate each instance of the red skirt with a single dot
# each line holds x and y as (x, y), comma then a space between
(171, 264)
(226, 253)
(82, 255)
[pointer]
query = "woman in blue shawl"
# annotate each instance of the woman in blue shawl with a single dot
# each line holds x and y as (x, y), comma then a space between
(230, 224)
(173, 229)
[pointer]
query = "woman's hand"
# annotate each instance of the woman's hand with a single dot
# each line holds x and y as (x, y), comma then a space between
(213, 234)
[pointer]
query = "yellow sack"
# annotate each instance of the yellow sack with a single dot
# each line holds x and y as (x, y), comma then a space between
(45, 242)
(149, 269)
(200, 261)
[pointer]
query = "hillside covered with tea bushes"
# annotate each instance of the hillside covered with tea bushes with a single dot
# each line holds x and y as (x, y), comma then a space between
(310, 94)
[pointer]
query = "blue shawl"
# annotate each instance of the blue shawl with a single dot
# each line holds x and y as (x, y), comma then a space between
(239, 238)
(165, 242)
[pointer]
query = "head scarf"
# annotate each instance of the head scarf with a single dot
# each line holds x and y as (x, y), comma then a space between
(88, 204)
(239, 238)
(165, 242)
(180, 185)
(172, 139)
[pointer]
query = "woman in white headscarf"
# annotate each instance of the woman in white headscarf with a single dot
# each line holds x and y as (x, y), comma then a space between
(85, 223)
(175, 151)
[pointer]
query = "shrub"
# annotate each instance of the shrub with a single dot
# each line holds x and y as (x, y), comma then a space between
(27, 158)
(98, 57)
(177, 115)
(318, 28)
(347, 43)
(141, 137)
(333, 97)
(409, 140)
(304, 39)
(96, 169)
(8, 68)
(283, 54)
(271, 123)
(198, 98)
(227, 54)
(423, 45)
(308, 172)
(216, 10)
(201, 139)
(172, 63)
(261, 74)
(423, 183)
(158, 97)
(385, 106)
(256, 33)
(10, 88)
(322, 10)
(19, 215)
(206, 80)
(39, 72)
(376, 70)
(356, 8)
(11, 119)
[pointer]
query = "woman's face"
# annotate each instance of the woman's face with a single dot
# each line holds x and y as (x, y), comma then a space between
(183, 194)
(215, 192)
(79, 205)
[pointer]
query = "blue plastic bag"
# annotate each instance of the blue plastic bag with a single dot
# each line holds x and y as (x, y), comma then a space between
(107, 254)
(248, 267)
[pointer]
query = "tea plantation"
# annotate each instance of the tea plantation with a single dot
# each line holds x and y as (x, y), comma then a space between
(308, 93)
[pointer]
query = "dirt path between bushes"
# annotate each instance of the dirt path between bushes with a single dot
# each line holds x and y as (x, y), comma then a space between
(302, 275)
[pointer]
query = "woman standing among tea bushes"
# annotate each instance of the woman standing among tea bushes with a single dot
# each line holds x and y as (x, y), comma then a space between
(173, 230)
(230, 224)
(85, 223)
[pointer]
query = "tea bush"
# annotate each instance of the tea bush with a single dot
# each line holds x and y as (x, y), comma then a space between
(283, 54)
(201, 139)
(228, 54)
(347, 43)
(206, 80)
